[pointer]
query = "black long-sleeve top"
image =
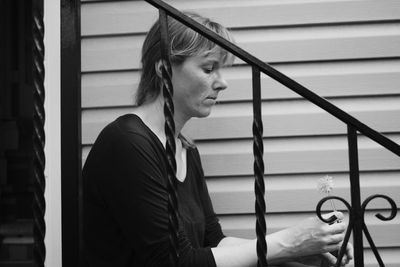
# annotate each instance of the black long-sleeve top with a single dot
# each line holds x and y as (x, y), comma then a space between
(125, 202)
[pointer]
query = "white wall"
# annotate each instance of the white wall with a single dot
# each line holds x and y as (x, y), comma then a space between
(52, 129)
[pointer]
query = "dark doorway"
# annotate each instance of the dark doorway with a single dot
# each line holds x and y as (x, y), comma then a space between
(22, 139)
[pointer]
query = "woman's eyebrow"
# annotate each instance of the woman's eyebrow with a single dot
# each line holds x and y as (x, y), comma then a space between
(212, 60)
(207, 62)
(214, 56)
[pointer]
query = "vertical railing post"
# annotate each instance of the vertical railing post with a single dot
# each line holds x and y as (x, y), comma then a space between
(357, 213)
(170, 146)
(39, 206)
(259, 187)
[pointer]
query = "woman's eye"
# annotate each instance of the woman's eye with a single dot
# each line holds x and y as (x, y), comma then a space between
(208, 70)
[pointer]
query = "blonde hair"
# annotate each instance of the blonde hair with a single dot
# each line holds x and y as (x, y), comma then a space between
(184, 43)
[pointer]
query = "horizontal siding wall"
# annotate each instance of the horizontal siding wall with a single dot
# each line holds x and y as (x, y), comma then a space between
(345, 51)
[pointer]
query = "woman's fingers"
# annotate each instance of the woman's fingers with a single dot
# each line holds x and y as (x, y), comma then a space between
(332, 247)
(339, 215)
(332, 259)
(335, 239)
(347, 257)
(329, 257)
(337, 228)
(349, 252)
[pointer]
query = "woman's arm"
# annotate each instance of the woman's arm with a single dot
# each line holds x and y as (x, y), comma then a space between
(309, 237)
(242, 252)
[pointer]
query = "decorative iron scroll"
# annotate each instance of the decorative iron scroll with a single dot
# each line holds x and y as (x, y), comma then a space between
(380, 217)
(358, 215)
(169, 128)
(259, 187)
(357, 210)
(38, 132)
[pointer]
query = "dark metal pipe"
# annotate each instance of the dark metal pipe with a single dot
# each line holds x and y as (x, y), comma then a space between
(357, 213)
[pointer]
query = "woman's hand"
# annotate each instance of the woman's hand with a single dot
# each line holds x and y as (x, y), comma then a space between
(312, 236)
(324, 259)
(304, 244)
(347, 257)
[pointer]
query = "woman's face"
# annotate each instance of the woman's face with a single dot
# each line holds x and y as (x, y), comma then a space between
(197, 82)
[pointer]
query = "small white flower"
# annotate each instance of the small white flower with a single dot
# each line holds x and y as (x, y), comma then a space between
(325, 184)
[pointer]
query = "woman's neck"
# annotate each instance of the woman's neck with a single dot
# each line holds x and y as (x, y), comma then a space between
(153, 115)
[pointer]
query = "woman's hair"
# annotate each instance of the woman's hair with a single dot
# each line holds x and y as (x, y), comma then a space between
(184, 43)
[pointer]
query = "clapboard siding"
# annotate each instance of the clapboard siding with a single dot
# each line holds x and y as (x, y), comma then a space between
(137, 16)
(271, 45)
(294, 155)
(291, 118)
(305, 156)
(347, 51)
(328, 79)
(302, 198)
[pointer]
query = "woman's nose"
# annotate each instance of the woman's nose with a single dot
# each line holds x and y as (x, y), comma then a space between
(220, 83)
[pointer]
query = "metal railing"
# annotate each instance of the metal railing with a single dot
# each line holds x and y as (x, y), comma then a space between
(356, 209)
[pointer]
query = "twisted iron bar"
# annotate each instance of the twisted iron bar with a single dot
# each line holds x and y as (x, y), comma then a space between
(39, 204)
(352, 217)
(169, 127)
(259, 187)
(38, 232)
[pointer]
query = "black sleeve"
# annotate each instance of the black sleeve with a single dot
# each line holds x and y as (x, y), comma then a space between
(213, 234)
(132, 181)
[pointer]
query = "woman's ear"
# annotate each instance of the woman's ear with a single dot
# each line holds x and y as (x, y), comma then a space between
(158, 68)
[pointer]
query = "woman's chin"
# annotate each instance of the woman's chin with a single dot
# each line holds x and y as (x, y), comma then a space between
(204, 113)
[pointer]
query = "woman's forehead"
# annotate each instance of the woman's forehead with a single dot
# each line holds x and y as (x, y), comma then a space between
(203, 59)
(217, 55)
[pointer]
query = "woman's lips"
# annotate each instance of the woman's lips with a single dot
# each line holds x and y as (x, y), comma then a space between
(211, 99)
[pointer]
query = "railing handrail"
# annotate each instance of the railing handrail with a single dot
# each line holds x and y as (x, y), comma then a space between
(279, 77)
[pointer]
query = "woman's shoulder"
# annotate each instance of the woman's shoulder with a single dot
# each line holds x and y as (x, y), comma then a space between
(130, 123)
(126, 128)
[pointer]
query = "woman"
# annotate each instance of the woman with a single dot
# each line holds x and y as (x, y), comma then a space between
(124, 178)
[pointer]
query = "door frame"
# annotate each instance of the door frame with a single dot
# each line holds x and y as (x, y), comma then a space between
(71, 158)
